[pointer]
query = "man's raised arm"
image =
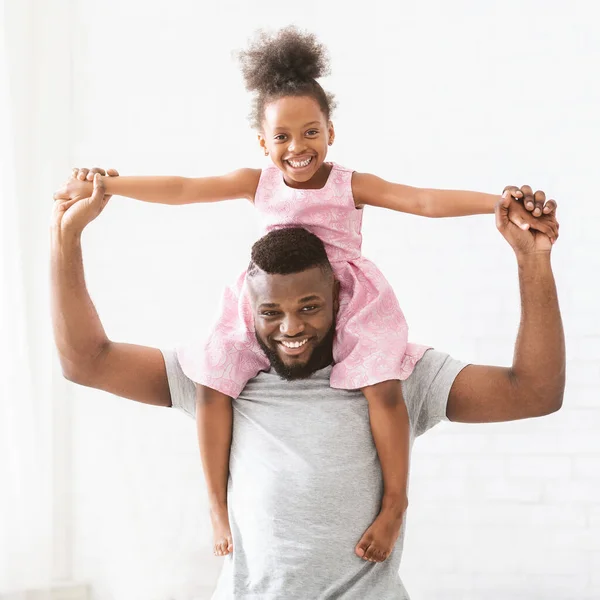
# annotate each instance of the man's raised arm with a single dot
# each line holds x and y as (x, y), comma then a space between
(86, 354)
(535, 383)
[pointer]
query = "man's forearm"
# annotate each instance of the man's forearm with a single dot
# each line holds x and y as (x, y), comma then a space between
(539, 359)
(78, 332)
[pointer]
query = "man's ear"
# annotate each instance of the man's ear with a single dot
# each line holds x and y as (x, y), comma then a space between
(336, 295)
(263, 143)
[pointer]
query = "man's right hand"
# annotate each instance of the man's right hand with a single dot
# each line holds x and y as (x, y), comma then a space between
(72, 210)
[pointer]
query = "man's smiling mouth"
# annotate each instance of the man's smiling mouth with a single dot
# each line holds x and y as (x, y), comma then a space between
(293, 347)
(294, 344)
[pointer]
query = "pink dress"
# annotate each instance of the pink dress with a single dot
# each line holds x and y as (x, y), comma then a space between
(370, 343)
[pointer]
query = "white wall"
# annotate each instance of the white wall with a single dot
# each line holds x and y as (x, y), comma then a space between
(455, 95)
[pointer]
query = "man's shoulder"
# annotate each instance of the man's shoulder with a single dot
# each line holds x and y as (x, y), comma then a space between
(428, 367)
(427, 389)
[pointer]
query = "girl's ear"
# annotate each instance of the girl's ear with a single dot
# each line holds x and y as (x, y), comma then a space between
(263, 143)
(331, 133)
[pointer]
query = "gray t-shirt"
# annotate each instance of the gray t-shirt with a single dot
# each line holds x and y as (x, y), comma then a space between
(305, 482)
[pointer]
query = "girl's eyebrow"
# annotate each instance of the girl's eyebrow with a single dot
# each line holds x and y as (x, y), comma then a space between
(303, 126)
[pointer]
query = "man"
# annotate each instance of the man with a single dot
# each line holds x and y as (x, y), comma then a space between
(304, 475)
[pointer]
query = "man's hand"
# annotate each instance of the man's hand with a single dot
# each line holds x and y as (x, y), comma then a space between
(535, 384)
(527, 236)
(80, 202)
(79, 185)
(534, 203)
(87, 356)
(544, 223)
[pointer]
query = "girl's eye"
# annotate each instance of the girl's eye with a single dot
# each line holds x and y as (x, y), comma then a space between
(280, 137)
(312, 132)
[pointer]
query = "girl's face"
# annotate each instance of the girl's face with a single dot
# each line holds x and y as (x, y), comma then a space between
(296, 135)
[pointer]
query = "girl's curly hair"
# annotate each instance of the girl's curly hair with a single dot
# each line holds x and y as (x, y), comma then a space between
(286, 63)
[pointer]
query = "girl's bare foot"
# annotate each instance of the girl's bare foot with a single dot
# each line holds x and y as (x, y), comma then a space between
(379, 539)
(222, 540)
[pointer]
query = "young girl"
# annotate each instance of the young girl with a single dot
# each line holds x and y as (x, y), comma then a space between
(371, 352)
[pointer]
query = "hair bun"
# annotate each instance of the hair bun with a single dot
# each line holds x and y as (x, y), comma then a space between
(274, 62)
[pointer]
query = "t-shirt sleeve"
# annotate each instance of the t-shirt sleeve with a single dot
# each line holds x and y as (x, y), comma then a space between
(427, 389)
(183, 389)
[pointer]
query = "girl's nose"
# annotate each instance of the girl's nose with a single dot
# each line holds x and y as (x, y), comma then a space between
(297, 145)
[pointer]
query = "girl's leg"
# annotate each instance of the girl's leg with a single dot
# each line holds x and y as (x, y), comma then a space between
(390, 427)
(214, 420)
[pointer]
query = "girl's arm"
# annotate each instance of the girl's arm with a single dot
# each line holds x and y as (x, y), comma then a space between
(372, 190)
(171, 190)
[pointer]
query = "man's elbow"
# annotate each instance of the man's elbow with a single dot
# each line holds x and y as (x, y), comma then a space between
(538, 398)
(555, 394)
(80, 372)
(543, 403)
(77, 375)
(553, 404)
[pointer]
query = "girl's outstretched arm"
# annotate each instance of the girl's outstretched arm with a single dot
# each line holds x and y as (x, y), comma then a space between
(168, 190)
(372, 190)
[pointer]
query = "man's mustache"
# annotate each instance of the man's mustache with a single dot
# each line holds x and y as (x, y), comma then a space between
(321, 356)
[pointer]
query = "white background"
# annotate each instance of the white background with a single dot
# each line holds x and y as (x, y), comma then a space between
(465, 95)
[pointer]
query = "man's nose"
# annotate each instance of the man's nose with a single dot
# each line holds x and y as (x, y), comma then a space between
(291, 326)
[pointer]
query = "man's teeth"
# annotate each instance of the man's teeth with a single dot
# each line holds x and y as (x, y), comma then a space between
(298, 164)
(294, 344)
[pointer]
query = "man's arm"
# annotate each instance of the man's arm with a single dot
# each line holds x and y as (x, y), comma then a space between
(86, 354)
(534, 385)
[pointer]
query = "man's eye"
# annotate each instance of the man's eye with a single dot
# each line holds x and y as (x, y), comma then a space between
(269, 313)
(309, 308)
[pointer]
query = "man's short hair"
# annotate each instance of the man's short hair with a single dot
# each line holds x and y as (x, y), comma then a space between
(288, 250)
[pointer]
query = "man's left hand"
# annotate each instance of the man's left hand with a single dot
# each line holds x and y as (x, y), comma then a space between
(532, 234)
(534, 203)
(534, 218)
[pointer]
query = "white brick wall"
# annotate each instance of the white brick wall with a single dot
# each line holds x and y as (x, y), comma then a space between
(465, 95)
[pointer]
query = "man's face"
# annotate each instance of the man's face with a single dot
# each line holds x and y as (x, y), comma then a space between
(294, 318)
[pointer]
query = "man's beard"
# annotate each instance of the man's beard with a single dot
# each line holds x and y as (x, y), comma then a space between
(321, 356)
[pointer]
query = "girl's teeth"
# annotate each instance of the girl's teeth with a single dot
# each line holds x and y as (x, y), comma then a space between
(299, 164)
